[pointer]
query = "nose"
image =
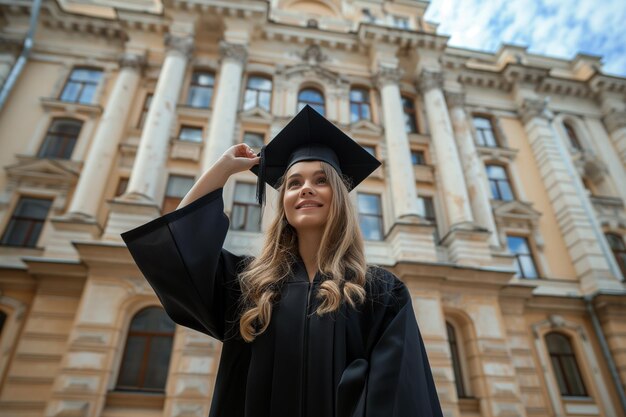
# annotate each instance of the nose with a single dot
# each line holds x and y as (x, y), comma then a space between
(307, 189)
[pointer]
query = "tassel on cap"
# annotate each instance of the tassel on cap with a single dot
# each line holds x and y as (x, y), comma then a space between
(260, 184)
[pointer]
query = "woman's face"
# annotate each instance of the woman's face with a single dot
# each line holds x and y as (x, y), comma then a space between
(307, 197)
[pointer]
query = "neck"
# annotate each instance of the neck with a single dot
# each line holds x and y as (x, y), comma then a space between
(308, 245)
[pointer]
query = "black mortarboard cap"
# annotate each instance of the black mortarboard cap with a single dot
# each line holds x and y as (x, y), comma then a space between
(310, 137)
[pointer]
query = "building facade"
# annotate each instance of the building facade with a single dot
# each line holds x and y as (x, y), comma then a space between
(500, 201)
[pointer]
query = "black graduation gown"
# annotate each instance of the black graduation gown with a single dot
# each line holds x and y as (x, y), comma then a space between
(368, 362)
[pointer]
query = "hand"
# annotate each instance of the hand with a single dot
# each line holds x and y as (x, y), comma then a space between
(238, 158)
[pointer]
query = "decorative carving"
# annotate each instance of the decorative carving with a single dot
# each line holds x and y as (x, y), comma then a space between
(455, 99)
(313, 55)
(387, 75)
(182, 44)
(615, 120)
(132, 60)
(532, 108)
(234, 51)
(429, 80)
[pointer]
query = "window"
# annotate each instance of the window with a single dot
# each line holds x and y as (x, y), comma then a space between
(60, 139)
(81, 85)
(177, 187)
(190, 134)
(359, 105)
(254, 139)
(370, 216)
(456, 361)
(144, 110)
(410, 124)
(122, 184)
(246, 213)
(147, 353)
(573, 138)
(499, 183)
(370, 149)
(417, 158)
(616, 242)
(401, 22)
(258, 93)
(564, 365)
(26, 222)
(427, 209)
(484, 132)
(201, 89)
(313, 98)
(524, 261)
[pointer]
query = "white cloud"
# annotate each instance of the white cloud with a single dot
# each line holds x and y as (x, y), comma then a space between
(559, 28)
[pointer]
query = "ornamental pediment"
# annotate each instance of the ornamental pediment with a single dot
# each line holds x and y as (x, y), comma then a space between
(312, 72)
(256, 115)
(516, 210)
(43, 170)
(366, 127)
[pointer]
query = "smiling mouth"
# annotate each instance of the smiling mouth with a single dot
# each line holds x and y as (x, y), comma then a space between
(309, 205)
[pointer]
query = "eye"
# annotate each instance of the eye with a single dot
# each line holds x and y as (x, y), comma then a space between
(322, 180)
(293, 183)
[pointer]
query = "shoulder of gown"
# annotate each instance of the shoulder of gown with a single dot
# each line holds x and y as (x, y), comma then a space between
(181, 256)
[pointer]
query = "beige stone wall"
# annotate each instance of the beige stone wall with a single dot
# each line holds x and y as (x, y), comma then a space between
(69, 301)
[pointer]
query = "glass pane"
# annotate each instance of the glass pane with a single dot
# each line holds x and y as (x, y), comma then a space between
(86, 96)
(490, 140)
(354, 113)
(16, 232)
(482, 123)
(178, 186)
(370, 227)
(311, 96)
(264, 100)
(365, 112)
(200, 97)
(528, 266)
(255, 140)
(260, 83)
(245, 193)
(409, 123)
(253, 222)
(158, 362)
(572, 375)
(191, 134)
(67, 147)
(238, 217)
(33, 207)
(153, 319)
(496, 172)
(66, 126)
(615, 241)
(558, 374)
(203, 78)
(86, 75)
(558, 343)
(70, 92)
(369, 204)
(517, 244)
(358, 95)
(131, 363)
(505, 191)
(407, 103)
(249, 99)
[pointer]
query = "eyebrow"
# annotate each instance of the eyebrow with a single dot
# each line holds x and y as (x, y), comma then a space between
(297, 174)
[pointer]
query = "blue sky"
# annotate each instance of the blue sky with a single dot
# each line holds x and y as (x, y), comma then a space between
(559, 28)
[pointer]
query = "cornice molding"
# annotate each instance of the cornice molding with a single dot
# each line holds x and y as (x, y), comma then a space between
(181, 44)
(387, 75)
(233, 51)
(429, 80)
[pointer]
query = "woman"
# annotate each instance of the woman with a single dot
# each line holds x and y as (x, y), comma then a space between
(308, 328)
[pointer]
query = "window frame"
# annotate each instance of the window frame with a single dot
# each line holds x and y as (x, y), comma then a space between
(480, 139)
(379, 215)
(531, 254)
(193, 86)
(572, 355)
(612, 238)
(498, 181)
(301, 103)
(410, 113)
(244, 205)
(419, 154)
(31, 223)
(82, 84)
(361, 104)
(51, 138)
(457, 363)
(171, 202)
(257, 92)
(190, 127)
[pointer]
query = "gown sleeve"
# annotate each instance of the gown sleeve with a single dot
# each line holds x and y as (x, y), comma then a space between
(182, 258)
(399, 380)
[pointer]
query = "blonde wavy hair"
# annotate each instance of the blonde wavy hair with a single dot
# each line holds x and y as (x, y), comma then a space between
(340, 259)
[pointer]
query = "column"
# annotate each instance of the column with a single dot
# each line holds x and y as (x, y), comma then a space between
(399, 166)
(95, 174)
(475, 174)
(447, 163)
(222, 126)
(576, 226)
(147, 173)
(467, 244)
(409, 238)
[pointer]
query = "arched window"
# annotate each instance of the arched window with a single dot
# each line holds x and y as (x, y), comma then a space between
(314, 98)
(359, 104)
(258, 93)
(410, 123)
(201, 89)
(564, 365)
(147, 353)
(573, 138)
(616, 242)
(60, 139)
(456, 361)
